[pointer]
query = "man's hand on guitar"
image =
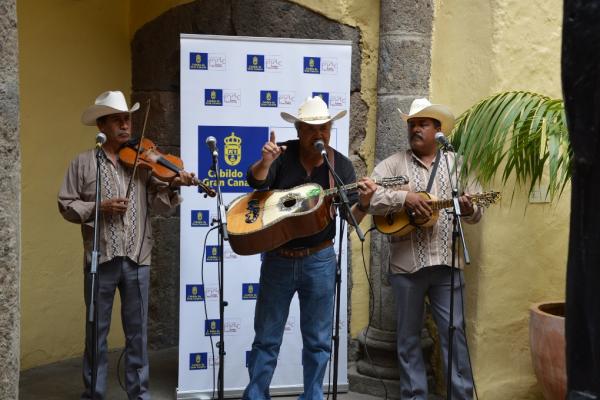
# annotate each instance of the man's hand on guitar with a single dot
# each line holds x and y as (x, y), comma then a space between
(466, 205)
(417, 206)
(366, 188)
(271, 151)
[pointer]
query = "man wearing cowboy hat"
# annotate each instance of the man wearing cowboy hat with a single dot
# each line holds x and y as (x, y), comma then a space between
(125, 242)
(420, 261)
(306, 265)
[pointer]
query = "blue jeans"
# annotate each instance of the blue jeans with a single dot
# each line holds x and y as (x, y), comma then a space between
(313, 277)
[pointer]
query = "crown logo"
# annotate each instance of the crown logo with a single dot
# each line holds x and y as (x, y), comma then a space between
(250, 289)
(311, 63)
(198, 359)
(194, 290)
(233, 149)
(233, 140)
(198, 58)
(254, 60)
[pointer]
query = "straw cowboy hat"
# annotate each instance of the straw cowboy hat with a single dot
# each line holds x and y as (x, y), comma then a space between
(422, 108)
(111, 102)
(313, 111)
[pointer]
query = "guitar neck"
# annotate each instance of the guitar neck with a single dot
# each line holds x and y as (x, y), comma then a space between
(447, 203)
(393, 181)
(333, 191)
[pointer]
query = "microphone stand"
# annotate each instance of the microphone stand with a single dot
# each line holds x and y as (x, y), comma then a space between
(345, 204)
(221, 220)
(92, 319)
(457, 231)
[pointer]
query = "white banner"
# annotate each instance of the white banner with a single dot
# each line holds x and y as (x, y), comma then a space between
(234, 88)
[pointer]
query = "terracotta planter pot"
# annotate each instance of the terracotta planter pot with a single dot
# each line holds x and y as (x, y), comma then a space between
(547, 342)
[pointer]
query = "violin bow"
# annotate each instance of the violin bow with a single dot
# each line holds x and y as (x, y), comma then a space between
(139, 150)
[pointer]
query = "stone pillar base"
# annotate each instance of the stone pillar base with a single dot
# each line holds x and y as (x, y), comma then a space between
(360, 383)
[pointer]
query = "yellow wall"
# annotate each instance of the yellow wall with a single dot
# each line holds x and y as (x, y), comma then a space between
(70, 51)
(519, 255)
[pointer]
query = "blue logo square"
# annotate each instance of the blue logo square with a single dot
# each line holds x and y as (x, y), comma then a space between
(255, 63)
(268, 98)
(198, 361)
(213, 253)
(199, 61)
(194, 292)
(250, 291)
(213, 97)
(212, 327)
(200, 218)
(239, 147)
(312, 65)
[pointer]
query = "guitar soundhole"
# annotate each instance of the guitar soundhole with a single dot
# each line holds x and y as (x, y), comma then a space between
(289, 203)
(389, 219)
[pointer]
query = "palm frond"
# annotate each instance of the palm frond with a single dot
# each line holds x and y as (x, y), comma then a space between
(516, 134)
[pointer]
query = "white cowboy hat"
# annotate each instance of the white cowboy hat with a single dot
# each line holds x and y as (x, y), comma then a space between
(111, 102)
(422, 108)
(313, 111)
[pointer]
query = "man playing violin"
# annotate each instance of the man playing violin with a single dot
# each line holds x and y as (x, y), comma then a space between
(420, 262)
(125, 242)
(306, 265)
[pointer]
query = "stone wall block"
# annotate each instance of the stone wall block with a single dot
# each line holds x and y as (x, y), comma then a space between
(391, 129)
(10, 200)
(406, 16)
(163, 307)
(155, 46)
(163, 126)
(404, 65)
(358, 122)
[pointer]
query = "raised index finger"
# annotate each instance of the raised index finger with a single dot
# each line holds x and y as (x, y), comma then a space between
(272, 138)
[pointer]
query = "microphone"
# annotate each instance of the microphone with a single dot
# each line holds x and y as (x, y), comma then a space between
(211, 142)
(441, 139)
(320, 146)
(100, 139)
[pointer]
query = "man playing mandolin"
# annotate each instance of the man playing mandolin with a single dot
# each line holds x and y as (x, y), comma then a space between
(420, 261)
(306, 265)
(125, 241)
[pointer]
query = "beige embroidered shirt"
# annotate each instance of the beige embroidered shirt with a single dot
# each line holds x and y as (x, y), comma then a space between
(128, 235)
(423, 247)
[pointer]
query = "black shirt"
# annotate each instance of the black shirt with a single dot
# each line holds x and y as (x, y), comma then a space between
(287, 172)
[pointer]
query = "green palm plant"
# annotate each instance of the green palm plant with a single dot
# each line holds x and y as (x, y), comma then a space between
(520, 134)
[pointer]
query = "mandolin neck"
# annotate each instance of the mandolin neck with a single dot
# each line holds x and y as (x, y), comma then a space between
(447, 203)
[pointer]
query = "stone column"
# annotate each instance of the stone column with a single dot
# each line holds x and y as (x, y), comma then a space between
(403, 75)
(10, 202)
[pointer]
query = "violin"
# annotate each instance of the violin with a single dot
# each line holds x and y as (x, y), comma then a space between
(165, 167)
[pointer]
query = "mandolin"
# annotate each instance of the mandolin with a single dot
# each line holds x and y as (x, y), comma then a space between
(399, 223)
(264, 220)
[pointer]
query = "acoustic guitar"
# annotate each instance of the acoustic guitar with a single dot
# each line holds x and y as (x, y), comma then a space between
(399, 223)
(264, 220)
